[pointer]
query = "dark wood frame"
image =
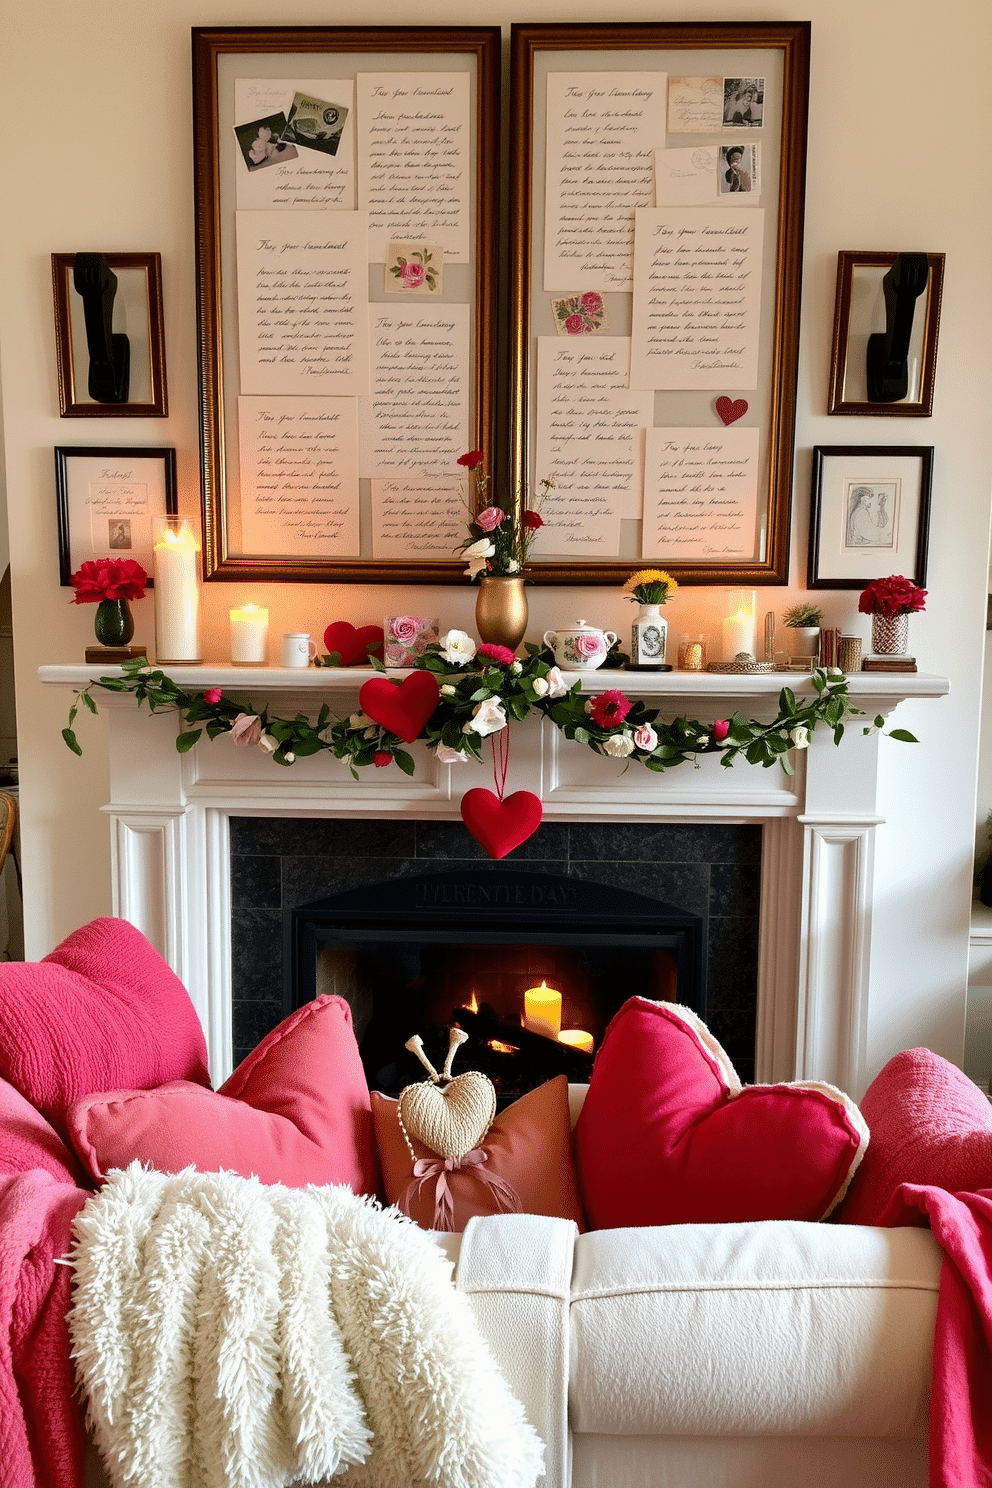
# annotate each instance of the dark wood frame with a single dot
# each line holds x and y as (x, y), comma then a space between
(70, 406)
(822, 453)
(65, 453)
(847, 262)
(484, 43)
(792, 38)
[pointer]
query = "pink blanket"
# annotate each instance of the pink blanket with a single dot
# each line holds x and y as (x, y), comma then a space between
(961, 1397)
(41, 1424)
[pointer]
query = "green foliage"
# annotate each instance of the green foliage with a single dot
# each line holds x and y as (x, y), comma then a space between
(802, 615)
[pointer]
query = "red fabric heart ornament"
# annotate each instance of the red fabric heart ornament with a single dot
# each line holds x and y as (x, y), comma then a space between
(401, 707)
(668, 1135)
(731, 412)
(353, 645)
(500, 826)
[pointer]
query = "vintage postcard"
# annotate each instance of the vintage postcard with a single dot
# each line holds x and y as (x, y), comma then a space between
(580, 314)
(316, 123)
(739, 172)
(695, 105)
(686, 177)
(743, 103)
(261, 142)
(414, 268)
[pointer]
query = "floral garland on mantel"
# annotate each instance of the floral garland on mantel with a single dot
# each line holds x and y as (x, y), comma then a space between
(480, 690)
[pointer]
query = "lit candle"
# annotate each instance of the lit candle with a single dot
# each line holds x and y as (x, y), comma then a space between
(576, 1038)
(542, 1010)
(739, 625)
(177, 596)
(249, 635)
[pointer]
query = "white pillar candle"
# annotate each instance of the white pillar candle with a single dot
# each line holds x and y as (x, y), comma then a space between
(177, 596)
(249, 635)
(740, 626)
(542, 1010)
(576, 1038)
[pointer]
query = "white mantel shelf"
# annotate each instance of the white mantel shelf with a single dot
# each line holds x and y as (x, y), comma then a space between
(170, 816)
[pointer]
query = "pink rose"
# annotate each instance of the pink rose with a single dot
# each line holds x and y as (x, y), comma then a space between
(412, 275)
(489, 518)
(575, 325)
(592, 302)
(212, 695)
(645, 737)
(405, 628)
(721, 729)
(246, 729)
(589, 645)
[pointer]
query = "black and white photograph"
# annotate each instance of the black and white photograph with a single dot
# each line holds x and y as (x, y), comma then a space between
(316, 124)
(743, 102)
(869, 514)
(261, 142)
(119, 536)
(738, 170)
(106, 499)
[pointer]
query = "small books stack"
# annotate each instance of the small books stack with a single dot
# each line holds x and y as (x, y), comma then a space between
(829, 646)
(874, 663)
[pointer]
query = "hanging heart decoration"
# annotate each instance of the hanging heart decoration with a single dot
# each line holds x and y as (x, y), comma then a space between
(729, 411)
(401, 707)
(448, 1114)
(499, 826)
(353, 645)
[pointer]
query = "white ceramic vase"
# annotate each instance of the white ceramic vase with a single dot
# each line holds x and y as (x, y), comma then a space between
(649, 637)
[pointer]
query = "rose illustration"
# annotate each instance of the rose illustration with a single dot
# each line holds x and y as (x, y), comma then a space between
(589, 645)
(413, 275)
(405, 629)
(574, 325)
(592, 302)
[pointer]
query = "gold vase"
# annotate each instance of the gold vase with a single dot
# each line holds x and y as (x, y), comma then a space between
(501, 610)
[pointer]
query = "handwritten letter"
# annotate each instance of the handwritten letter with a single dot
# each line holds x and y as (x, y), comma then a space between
(603, 129)
(590, 427)
(312, 180)
(416, 421)
(303, 302)
(299, 476)
(697, 293)
(414, 159)
(695, 105)
(700, 494)
(418, 519)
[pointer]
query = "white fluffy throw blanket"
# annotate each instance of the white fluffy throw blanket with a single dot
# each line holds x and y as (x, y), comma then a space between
(232, 1335)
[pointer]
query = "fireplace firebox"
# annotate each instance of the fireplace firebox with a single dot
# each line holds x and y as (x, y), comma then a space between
(531, 965)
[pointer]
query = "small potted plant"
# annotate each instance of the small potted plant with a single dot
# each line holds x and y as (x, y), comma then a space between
(804, 618)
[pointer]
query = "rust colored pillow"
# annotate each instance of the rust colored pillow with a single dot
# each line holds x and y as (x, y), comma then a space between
(528, 1147)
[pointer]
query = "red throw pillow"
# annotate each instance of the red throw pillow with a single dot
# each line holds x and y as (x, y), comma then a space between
(27, 1141)
(296, 1111)
(667, 1135)
(528, 1147)
(929, 1125)
(101, 1012)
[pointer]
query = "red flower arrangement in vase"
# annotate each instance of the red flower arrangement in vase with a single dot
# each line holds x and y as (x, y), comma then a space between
(110, 583)
(890, 602)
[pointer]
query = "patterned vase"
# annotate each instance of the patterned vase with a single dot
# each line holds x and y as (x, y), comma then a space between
(649, 636)
(113, 622)
(890, 635)
(501, 610)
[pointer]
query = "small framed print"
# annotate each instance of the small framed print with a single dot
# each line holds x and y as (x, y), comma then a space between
(869, 514)
(107, 498)
(137, 313)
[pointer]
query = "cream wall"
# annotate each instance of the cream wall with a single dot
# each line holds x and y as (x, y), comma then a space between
(899, 106)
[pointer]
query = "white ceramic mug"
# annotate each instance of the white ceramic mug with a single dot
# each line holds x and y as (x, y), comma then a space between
(298, 649)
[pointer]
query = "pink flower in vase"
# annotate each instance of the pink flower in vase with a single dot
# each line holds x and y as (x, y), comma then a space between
(489, 519)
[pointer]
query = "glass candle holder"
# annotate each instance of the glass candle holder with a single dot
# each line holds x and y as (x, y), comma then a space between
(692, 653)
(176, 559)
(249, 635)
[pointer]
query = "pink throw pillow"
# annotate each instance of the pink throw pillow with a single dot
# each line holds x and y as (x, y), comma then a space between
(27, 1141)
(667, 1134)
(930, 1125)
(296, 1111)
(528, 1147)
(101, 1011)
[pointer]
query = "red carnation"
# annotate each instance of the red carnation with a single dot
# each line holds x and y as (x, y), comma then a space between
(382, 758)
(212, 695)
(610, 708)
(108, 578)
(721, 729)
(502, 654)
(894, 595)
(532, 520)
(471, 460)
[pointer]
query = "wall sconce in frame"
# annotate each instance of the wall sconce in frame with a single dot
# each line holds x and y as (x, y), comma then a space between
(109, 335)
(886, 316)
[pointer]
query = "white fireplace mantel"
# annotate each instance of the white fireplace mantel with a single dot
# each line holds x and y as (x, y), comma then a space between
(171, 857)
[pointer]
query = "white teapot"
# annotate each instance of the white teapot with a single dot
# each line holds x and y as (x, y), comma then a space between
(580, 647)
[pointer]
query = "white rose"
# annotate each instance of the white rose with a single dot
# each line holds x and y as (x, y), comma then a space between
(488, 717)
(448, 690)
(645, 737)
(448, 756)
(517, 667)
(289, 756)
(619, 745)
(268, 744)
(557, 686)
(477, 553)
(457, 648)
(540, 686)
(512, 566)
(800, 736)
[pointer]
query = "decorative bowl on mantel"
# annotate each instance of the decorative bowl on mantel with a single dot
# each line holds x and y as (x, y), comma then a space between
(580, 647)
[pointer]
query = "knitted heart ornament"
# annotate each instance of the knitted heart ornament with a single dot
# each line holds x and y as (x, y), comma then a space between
(729, 411)
(500, 826)
(353, 645)
(401, 707)
(447, 1114)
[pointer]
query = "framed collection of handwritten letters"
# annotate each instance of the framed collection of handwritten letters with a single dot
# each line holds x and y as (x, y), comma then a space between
(349, 223)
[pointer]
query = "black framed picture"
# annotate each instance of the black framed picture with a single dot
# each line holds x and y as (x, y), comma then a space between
(869, 514)
(107, 497)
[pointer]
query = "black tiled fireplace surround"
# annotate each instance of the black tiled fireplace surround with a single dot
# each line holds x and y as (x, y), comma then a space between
(711, 871)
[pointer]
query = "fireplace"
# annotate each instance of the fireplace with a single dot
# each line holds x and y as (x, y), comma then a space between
(531, 965)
